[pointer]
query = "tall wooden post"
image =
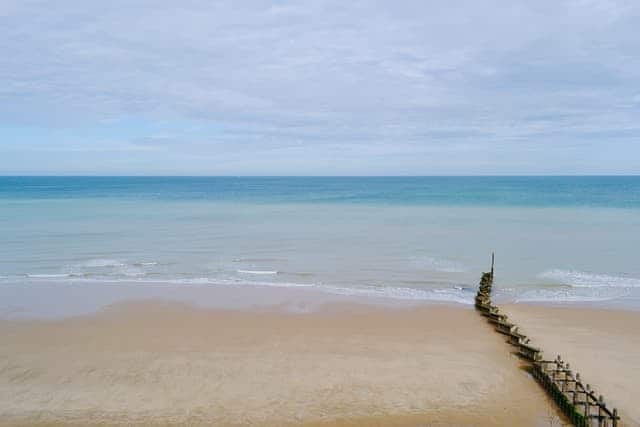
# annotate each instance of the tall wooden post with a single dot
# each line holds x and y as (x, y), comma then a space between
(493, 258)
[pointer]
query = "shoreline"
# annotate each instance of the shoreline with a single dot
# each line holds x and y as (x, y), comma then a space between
(61, 300)
(54, 300)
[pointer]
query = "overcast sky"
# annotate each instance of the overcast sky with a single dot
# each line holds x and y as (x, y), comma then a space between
(319, 88)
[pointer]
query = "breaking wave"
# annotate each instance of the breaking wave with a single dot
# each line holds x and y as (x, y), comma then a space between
(48, 276)
(580, 279)
(269, 272)
(445, 293)
(101, 263)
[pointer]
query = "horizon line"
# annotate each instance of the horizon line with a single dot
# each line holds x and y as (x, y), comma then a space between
(321, 176)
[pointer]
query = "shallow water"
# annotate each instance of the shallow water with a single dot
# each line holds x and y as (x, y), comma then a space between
(556, 239)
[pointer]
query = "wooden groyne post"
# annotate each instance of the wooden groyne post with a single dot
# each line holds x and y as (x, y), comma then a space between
(493, 260)
(582, 406)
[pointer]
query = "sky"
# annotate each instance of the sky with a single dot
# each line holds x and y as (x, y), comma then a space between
(157, 87)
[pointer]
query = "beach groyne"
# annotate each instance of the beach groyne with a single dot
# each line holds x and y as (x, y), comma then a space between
(575, 398)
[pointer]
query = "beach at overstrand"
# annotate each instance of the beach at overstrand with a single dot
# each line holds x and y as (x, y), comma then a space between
(276, 301)
(169, 363)
(300, 358)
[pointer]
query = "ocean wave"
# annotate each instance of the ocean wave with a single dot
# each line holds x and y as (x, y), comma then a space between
(48, 276)
(189, 281)
(269, 272)
(230, 282)
(134, 274)
(581, 279)
(569, 295)
(108, 268)
(101, 263)
(457, 295)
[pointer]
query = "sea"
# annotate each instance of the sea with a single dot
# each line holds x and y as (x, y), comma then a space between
(427, 239)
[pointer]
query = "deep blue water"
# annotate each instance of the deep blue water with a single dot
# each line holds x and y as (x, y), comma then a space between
(619, 191)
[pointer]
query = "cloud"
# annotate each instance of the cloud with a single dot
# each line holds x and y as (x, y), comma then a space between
(298, 79)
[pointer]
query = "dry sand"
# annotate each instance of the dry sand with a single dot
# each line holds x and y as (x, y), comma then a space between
(156, 363)
(602, 345)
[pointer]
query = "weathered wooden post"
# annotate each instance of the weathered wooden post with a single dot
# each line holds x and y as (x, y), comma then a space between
(571, 382)
(577, 385)
(587, 404)
(563, 388)
(493, 258)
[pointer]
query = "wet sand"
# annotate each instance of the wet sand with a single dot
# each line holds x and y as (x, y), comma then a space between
(161, 363)
(602, 345)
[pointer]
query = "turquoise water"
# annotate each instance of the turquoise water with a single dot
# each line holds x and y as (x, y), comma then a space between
(420, 238)
(621, 192)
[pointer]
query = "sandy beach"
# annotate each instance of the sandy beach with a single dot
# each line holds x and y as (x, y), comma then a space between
(602, 345)
(159, 363)
(337, 363)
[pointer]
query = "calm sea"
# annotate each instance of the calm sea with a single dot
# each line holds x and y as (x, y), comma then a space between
(420, 238)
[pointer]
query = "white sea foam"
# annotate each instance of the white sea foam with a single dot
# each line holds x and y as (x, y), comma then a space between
(48, 276)
(146, 264)
(454, 294)
(134, 273)
(567, 295)
(257, 271)
(102, 262)
(230, 282)
(412, 294)
(249, 260)
(580, 286)
(580, 279)
(274, 284)
(186, 281)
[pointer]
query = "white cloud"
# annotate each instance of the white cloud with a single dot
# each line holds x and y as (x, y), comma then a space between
(415, 75)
